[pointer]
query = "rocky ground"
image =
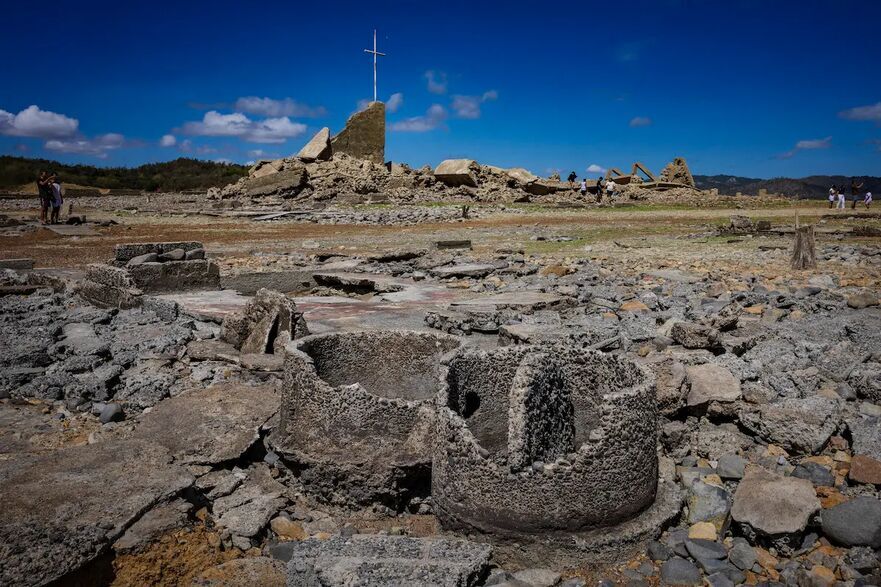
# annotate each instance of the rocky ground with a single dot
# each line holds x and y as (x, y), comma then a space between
(134, 447)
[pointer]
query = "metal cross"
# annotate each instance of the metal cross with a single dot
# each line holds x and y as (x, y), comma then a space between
(374, 53)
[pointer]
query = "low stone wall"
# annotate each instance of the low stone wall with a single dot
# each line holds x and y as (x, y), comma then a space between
(533, 439)
(357, 411)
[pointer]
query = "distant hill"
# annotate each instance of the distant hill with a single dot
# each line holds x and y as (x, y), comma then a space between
(171, 176)
(813, 187)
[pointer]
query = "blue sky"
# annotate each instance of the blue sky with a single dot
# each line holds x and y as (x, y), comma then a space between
(756, 88)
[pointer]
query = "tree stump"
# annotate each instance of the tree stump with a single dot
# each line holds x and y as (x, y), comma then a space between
(804, 254)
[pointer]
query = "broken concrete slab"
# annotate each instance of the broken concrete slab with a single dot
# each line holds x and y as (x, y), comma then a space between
(265, 325)
(387, 560)
(711, 383)
(72, 230)
(62, 510)
(287, 182)
(318, 147)
(464, 270)
(773, 504)
(153, 524)
(247, 510)
(209, 426)
(457, 172)
(364, 135)
(520, 300)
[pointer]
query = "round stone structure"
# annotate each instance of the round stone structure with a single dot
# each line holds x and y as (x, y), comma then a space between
(545, 440)
(357, 412)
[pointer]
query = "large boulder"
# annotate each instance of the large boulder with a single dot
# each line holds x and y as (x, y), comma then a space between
(457, 172)
(364, 135)
(318, 148)
(772, 504)
(854, 523)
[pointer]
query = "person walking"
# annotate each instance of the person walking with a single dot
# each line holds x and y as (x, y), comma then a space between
(855, 191)
(841, 203)
(610, 190)
(583, 187)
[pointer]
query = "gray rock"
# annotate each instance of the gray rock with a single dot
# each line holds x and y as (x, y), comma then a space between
(815, 473)
(538, 577)
(719, 580)
(773, 504)
(695, 336)
(854, 523)
(81, 339)
(112, 413)
(707, 503)
(247, 510)
(798, 425)
(140, 259)
(742, 555)
(731, 467)
(173, 255)
(678, 571)
(705, 549)
(195, 254)
(385, 560)
(866, 433)
(711, 382)
(657, 551)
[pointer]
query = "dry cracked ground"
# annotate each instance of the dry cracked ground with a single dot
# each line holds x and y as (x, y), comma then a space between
(134, 447)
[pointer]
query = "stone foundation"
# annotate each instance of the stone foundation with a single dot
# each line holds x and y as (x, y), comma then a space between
(357, 412)
(552, 442)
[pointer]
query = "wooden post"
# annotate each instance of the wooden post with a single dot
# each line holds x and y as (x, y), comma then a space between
(804, 254)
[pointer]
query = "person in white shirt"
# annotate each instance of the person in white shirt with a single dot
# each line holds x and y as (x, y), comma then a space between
(841, 202)
(868, 200)
(583, 187)
(832, 197)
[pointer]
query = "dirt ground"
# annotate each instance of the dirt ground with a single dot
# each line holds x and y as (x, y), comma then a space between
(634, 237)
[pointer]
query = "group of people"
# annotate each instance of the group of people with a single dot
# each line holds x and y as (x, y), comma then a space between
(837, 200)
(604, 186)
(51, 197)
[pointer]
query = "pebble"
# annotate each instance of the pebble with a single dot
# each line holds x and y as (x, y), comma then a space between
(678, 571)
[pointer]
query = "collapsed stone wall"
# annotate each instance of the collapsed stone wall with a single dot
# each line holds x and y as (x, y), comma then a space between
(356, 413)
(587, 419)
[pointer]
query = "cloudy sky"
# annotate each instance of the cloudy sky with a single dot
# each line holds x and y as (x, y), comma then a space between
(756, 88)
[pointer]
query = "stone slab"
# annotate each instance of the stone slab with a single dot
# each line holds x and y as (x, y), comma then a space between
(387, 560)
(72, 230)
(209, 426)
(20, 264)
(61, 510)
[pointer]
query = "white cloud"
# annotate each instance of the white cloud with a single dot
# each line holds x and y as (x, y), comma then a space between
(269, 130)
(256, 153)
(99, 146)
(186, 146)
(394, 102)
(167, 141)
(437, 81)
(872, 113)
(594, 168)
(638, 121)
(223, 160)
(807, 145)
(276, 108)
(42, 124)
(469, 106)
(432, 119)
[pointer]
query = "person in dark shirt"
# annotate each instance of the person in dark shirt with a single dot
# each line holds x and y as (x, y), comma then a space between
(855, 191)
(44, 189)
(572, 177)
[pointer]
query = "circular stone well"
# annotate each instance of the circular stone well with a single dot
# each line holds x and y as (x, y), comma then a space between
(357, 412)
(546, 441)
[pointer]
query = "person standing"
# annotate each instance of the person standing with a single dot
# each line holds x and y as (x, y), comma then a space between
(610, 190)
(583, 187)
(601, 185)
(57, 200)
(832, 197)
(841, 203)
(855, 191)
(868, 200)
(45, 193)
(572, 178)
